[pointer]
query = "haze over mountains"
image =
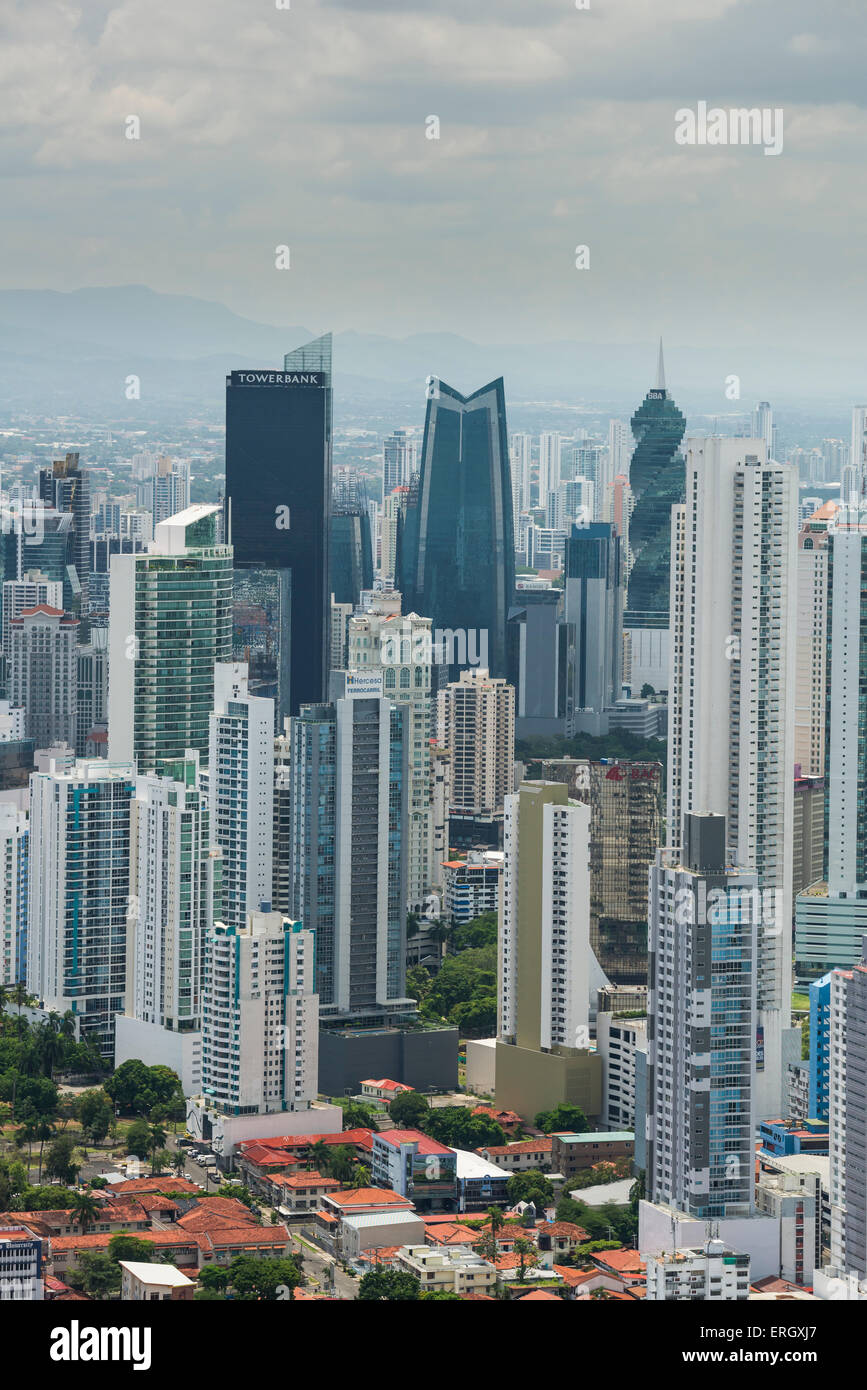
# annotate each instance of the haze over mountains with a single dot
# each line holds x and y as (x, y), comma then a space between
(73, 352)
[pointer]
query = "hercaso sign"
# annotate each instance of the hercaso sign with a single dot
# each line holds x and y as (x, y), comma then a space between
(277, 379)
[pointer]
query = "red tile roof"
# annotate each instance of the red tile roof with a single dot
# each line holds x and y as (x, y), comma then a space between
(162, 1185)
(521, 1146)
(369, 1197)
(386, 1085)
(539, 1296)
(426, 1145)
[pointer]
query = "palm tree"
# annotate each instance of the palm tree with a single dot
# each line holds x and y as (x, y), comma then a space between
(26, 1135)
(84, 1210)
(361, 1175)
(157, 1142)
(317, 1156)
(497, 1220)
(44, 1131)
(179, 1160)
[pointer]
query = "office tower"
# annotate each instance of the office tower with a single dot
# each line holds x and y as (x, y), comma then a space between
(169, 489)
(174, 899)
(43, 673)
(399, 461)
(395, 654)
(171, 616)
(351, 551)
(78, 891)
(808, 834)
(858, 452)
(625, 832)
(241, 792)
(573, 501)
(537, 616)
(544, 547)
(762, 427)
(260, 1034)
(544, 956)
(594, 615)
(819, 1060)
(657, 482)
(32, 589)
(520, 457)
(811, 653)
(476, 722)
(847, 1117)
(701, 1026)
(278, 503)
(281, 854)
(91, 715)
(456, 560)
(66, 487)
(731, 692)
(350, 779)
(14, 863)
(36, 537)
(549, 466)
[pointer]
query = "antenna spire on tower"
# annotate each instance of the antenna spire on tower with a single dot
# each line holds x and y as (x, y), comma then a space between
(660, 370)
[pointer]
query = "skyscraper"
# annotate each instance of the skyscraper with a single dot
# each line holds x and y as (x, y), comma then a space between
(351, 551)
(762, 427)
(549, 468)
(169, 489)
(656, 479)
(476, 723)
(349, 770)
(174, 898)
(14, 864)
(732, 693)
(456, 547)
(31, 589)
(847, 1117)
(594, 617)
(66, 487)
(811, 658)
(544, 965)
(43, 673)
(241, 792)
(171, 615)
(701, 1027)
(79, 887)
(399, 461)
(278, 503)
(520, 455)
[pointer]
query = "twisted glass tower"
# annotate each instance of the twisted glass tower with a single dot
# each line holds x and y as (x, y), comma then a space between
(456, 561)
(657, 479)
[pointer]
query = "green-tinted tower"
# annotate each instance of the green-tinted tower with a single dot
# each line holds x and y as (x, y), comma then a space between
(657, 479)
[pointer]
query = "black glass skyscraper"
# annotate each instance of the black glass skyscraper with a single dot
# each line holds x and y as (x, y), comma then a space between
(456, 551)
(657, 478)
(278, 504)
(351, 558)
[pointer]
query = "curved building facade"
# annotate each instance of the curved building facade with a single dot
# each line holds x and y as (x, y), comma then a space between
(657, 479)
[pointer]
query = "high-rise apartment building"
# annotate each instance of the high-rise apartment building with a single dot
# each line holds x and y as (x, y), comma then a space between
(392, 507)
(66, 487)
(456, 551)
(79, 890)
(241, 792)
(476, 723)
(171, 621)
(549, 467)
(847, 1117)
(399, 461)
(260, 1035)
(762, 427)
(14, 867)
(92, 695)
(174, 898)
(31, 590)
(701, 1026)
(544, 957)
(43, 673)
(350, 795)
(278, 504)
(731, 694)
(520, 458)
(168, 489)
(811, 652)
(396, 652)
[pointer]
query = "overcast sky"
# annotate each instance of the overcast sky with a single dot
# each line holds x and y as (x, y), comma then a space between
(306, 126)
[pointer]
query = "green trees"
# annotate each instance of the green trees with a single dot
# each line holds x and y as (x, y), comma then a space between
(126, 1246)
(94, 1111)
(564, 1119)
(96, 1274)
(458, 1127)
(317, 1156)
(465, 991)
(341, 1162)
(138, 1089)
(480, 932)
(157, 1141)
(358, 1116)
(408, 1110)
(84, 1210)
(418, 983)
(531, 1186)
(60, 1162)
(238, 1191)
(526, 1252)
(608, 1222)
(138, 1139)
(253, 1279)
(388, 1286)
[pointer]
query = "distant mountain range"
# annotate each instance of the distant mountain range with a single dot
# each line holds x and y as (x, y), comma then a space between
(71, 352)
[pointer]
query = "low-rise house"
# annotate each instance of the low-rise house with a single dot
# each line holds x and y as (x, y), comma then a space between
(378, 1230)
(221, 1244)
(260, 1163)
(181, 1247)
(154, 1283)
(336, 1207)
(556, 1238)
(508, 1120)
(457, 1269)
(110, 1216)
(384, 1090)
(479, 1184)
(520, 1157)
(626, 1264)
(301, 1192)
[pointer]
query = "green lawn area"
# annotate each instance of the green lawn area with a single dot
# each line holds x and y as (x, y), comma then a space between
(800, 1002)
